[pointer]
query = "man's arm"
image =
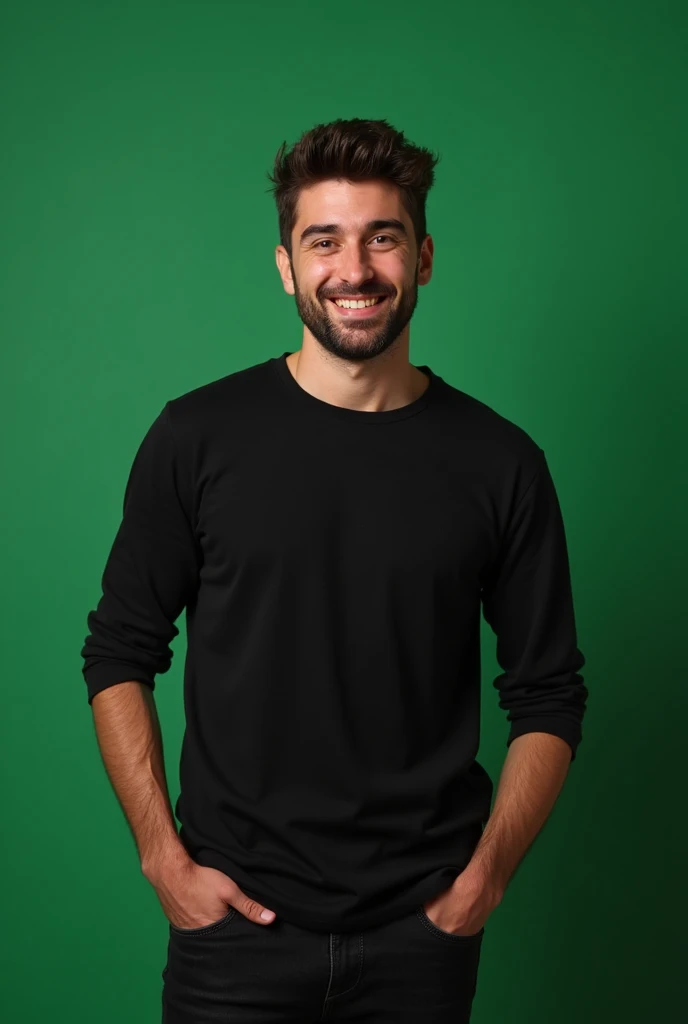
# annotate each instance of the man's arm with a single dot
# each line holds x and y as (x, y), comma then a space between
(532, 777)
(130, 741)
(528, 602)
(150, 575)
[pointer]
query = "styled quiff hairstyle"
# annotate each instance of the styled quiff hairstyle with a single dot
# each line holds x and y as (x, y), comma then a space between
(353, 150)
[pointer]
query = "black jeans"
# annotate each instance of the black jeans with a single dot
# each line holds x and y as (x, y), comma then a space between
(407, 971)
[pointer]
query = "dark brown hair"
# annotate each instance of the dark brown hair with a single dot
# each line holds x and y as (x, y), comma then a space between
(354, 150)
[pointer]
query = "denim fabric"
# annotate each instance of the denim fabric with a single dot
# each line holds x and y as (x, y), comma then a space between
(407, 971)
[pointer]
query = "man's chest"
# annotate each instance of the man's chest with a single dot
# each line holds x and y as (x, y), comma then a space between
(356, 507)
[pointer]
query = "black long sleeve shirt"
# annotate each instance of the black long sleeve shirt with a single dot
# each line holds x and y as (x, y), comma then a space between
(332, 564)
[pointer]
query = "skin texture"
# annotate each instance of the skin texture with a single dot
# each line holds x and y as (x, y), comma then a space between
(357, 364)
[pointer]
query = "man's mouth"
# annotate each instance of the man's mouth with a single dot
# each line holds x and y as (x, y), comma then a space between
(359, 308)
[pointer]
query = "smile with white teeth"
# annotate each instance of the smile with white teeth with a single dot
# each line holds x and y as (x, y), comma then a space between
(357, 303)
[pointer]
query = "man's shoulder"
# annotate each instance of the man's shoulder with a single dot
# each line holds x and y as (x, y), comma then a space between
(233, 397)
(470, 419)
(232, 386)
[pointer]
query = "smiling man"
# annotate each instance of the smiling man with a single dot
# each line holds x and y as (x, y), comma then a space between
(356, 289)
(334, 519)
(359, 272)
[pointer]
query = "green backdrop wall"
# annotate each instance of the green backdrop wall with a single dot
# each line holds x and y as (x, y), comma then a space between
(137, 254)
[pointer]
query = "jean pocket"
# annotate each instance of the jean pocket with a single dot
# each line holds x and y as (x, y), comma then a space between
(440, 933)
(205, 929)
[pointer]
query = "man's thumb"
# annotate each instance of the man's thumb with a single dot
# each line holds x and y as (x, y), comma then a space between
(255, 912)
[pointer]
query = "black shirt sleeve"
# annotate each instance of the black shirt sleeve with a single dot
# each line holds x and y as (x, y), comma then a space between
(150, 574)
(528, 603)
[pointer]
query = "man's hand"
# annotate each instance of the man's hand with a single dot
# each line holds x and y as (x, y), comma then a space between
(194, 896)
(465, 906)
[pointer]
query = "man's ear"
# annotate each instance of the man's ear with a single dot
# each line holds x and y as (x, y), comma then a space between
(284, 267)
(425, 258)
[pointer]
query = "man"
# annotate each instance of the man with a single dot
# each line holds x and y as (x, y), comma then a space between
(332, 520)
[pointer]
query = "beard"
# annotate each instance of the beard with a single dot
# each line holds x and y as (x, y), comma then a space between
(356, 339)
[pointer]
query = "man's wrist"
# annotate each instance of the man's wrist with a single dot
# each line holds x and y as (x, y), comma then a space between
(170, 857)
(485, 879)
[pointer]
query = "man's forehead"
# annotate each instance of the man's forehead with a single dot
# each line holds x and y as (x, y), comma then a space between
(355, 202)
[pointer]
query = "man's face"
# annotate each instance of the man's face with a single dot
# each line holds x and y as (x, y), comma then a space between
(354, 241)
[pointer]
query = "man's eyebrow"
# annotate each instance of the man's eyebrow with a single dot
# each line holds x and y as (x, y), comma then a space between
(333, 229)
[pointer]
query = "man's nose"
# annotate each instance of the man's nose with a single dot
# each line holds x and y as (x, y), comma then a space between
(355, 266)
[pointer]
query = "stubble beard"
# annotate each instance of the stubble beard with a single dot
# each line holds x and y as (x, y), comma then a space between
(359, 340)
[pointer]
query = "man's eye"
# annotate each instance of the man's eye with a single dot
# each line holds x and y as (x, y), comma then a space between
(328, 241)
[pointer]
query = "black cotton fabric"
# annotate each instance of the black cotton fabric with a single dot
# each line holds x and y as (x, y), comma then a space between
(332, 565)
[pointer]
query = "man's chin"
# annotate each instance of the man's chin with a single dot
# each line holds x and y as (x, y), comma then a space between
(345, 346)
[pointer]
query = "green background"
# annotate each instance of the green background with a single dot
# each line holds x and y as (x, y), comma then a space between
(138, 241)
